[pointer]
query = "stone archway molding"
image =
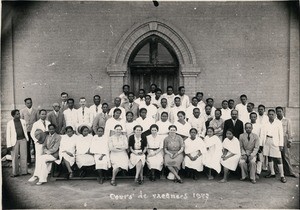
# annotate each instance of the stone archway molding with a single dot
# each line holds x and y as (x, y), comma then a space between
(188, 66)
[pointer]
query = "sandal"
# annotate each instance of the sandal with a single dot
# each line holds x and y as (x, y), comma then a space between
(113, 183)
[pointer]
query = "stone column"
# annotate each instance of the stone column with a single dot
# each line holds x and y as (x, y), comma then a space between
(190, 74)
(116, 73)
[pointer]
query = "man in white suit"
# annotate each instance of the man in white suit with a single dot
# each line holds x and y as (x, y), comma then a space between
(16, 139)
(84, 116)
(30, 115)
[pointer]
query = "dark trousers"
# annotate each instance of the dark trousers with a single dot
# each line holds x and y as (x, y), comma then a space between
(28, 148)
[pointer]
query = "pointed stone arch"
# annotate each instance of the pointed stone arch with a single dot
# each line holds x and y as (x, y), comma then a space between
(188, 66)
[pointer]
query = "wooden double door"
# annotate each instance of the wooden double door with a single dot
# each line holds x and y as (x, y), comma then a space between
(143, 77)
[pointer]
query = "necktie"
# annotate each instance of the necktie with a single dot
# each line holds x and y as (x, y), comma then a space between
(44, 123)
(96, 109)
(130, 105)
(248, 136)
(83, 112)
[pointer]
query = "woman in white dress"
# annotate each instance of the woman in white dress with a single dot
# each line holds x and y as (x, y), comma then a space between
(138, 148)
(155, 146)
(67, 150)
(83, 156)
(214, 152)
(194, 148)
(112, 122)
(99, 148)
(130, 123)
(145, 121)
(183, 127)
(118, 145)
(231, 154)
(163, 125)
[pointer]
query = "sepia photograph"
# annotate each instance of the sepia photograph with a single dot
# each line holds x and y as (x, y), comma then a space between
(150, 104)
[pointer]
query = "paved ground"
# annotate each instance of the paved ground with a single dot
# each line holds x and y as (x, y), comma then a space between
(81, 194)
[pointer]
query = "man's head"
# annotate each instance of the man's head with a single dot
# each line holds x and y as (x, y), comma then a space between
(141, 93)
(271, 114)
(56, 107)
(15, 114)
(250, 107)
(64, 96)
(97, 100)
(158, 93)
(125, 89)
(218, 114)
(153, 88)
(199, 96)
(210, 101)
(164, 102)
(177, 101)
(170, 90)
(117, 101)
(230, 103)
(70, 103)
(43, 114)
(261, 109)
(224, 104)
(181, 90)
(143, 113)
(28, 102)
(243, 99)
(279, 112)
(194, 101)
(51, 128)
(82, 101)
(147, 99)
(248, 127)
(196, 112)
(130, 96)
(234, 114)
(105, 107)
(208, 109)
(253, 117)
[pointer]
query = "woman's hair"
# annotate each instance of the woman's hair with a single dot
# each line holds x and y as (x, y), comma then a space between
(82, 128)
(172, 126)
(181, 112)
(101, 128)
(129, 112)
(118, 126)
(211, 128)
(230, 130)
(194, 130)
(154, 126)
(164, 113)
(137, 126)
(117, 109)
(69, 128)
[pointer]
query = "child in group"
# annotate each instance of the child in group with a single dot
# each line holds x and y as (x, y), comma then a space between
(67, 150)
(231, 154)
(214, 152)
(99, 147)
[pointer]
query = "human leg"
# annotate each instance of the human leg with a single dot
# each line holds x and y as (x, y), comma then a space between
(23, 156)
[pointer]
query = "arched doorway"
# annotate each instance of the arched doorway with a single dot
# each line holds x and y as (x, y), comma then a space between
(153, 61)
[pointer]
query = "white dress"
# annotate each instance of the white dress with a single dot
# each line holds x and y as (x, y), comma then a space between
(67, 144)
(82, 147)
(213, 155)
(233, 147)
(119, 159)
(129, 127)
(183, 129)
(156, 161)
(192, 147)
(98, 147)
(163, 128)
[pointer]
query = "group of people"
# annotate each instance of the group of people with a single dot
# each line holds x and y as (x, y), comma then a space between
(155, 129)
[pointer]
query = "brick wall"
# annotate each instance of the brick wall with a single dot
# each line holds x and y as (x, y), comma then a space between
(241, 47)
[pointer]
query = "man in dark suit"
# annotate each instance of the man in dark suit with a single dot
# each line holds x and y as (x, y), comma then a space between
(130, 105)
(57, 118)
(235, 124)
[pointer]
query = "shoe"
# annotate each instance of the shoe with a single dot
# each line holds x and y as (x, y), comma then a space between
(222, 181)
(270, 176)
(82, 174)
(32, 179)
(141, 182)
(283, 179)
(195, 177)
(100, 180)
(295, 175)
(179, 181)
(13, 176)
(252, 181)
(39, 183)
(26, 174)
(257, 176)
(210, 177)
(113, 183)
(136, 180)
(243, 179)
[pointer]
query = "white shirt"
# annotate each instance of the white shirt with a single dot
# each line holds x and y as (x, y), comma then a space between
(275, 130)
(189, 111)
(94, 110)
(185, 100)
(243, 114)
(257, 128)
(161, 110)
(174, 111)
(145, 123)
(123, 98)
(170, 99)
(71, 117)
(84, 116)
(39, 125)
(201, 106)
(157, 102)
(151, 110)
(139, 101)
(262, 119)
(199, 124)
(226, 114)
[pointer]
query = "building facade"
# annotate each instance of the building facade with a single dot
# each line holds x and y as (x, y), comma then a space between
(223, 49)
